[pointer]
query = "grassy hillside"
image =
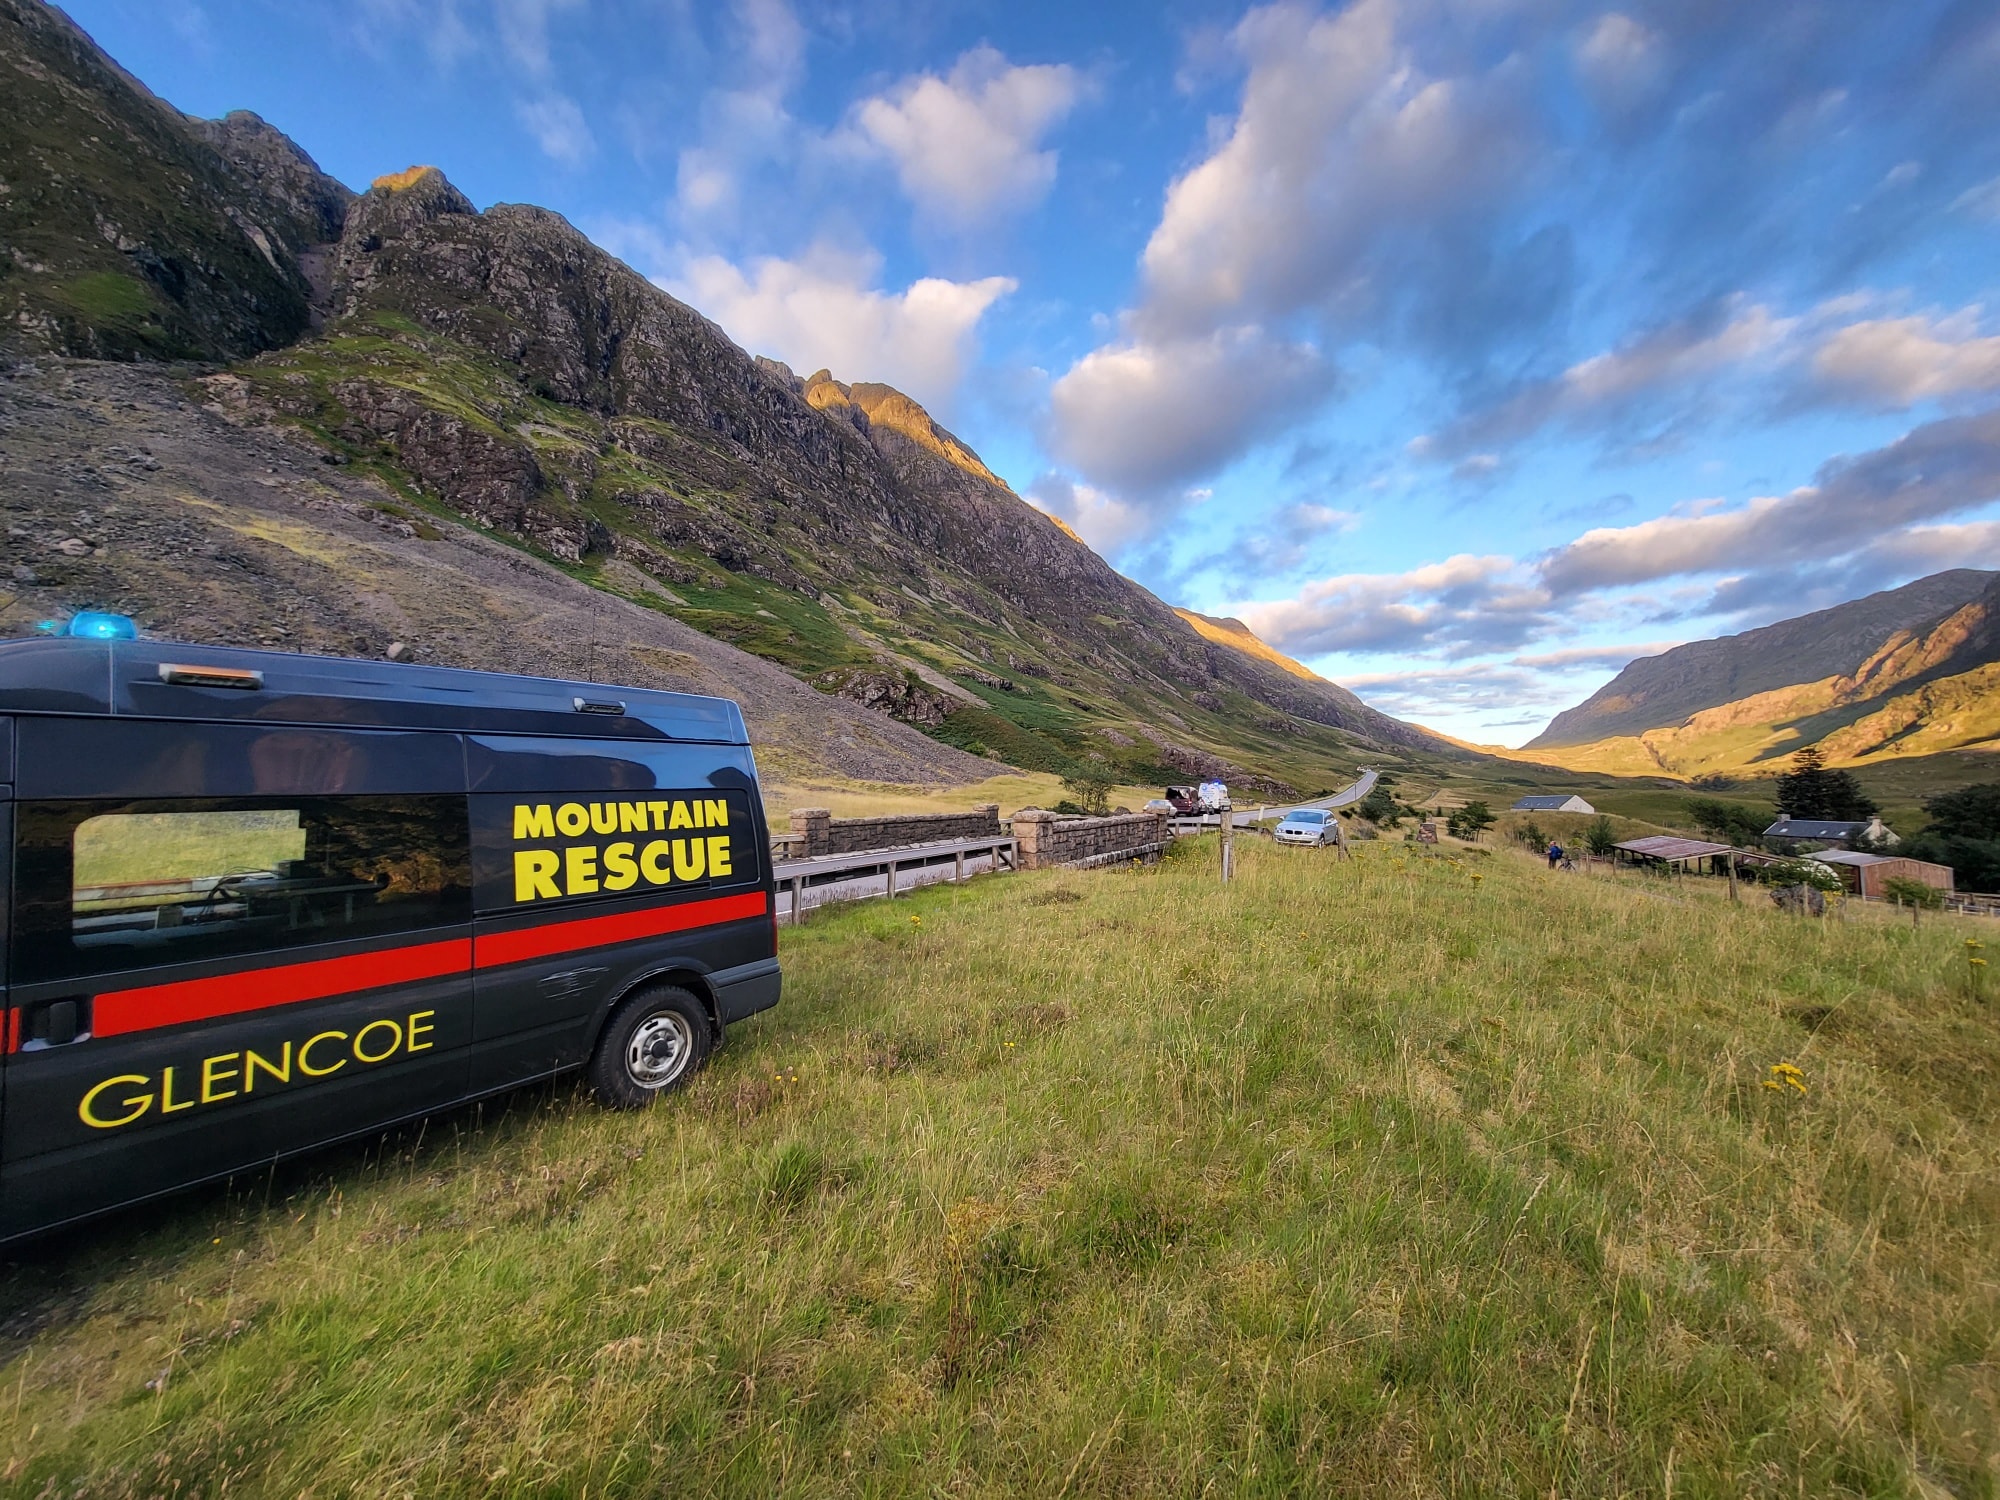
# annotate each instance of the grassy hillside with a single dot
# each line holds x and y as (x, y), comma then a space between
(1372, 1178)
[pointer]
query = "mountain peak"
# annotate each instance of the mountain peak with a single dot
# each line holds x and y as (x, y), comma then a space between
(1231, 632)
(409, 177)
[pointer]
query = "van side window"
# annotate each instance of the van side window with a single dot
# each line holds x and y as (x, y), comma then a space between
(112, 886)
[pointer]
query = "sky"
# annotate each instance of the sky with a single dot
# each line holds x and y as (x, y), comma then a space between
(1464, 349)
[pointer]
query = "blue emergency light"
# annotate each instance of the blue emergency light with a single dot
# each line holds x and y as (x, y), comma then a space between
(102, 625)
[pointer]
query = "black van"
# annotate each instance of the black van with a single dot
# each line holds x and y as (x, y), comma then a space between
(255, 903)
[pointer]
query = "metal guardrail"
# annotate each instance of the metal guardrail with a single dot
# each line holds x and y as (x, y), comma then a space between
(821, 879)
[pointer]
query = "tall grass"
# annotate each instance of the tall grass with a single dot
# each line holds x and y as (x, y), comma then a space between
(1362, 1177)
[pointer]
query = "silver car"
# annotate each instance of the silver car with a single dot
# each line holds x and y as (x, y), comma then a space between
(1308, 825)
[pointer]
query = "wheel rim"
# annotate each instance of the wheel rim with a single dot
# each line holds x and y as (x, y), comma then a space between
(658, 1050)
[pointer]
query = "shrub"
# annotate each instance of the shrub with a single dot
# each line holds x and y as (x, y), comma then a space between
(1820, 877)
(1599, 838)
(1380, 807)
(1091, 789)
(1904, 891)
(1530, 833)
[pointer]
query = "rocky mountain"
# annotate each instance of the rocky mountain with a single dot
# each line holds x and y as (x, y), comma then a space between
(121, 488)
(496, 368)
(128, 230)
(1908, 671)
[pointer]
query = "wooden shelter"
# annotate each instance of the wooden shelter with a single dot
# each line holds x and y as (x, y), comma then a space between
(1679, 853)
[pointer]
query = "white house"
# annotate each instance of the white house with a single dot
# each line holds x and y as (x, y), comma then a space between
(1567, 803)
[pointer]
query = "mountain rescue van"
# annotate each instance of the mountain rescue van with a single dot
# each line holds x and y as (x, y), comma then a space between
(256, 903)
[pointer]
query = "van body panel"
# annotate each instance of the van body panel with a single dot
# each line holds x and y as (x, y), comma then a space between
(239, 922)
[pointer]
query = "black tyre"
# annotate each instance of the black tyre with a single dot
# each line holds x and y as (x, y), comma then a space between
(651, 1045)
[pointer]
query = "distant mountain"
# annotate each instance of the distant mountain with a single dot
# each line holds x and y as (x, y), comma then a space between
(1910, 671)
(499, 368)
(131, 231)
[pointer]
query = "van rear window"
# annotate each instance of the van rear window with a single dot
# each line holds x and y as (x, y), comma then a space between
(104, 888)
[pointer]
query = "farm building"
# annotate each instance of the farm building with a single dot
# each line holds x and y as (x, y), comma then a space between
(1569, 802)
(1867, 874)
(1839, 835)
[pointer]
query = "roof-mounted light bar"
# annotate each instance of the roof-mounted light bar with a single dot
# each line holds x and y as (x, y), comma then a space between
(611, 706)
(180, 674)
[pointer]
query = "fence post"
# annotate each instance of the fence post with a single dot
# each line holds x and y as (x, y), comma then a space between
(959, 867)
(1228, 846)
(1732, 878)
(892, 880)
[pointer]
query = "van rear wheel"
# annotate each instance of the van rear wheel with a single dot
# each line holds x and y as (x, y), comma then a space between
(650, 1045)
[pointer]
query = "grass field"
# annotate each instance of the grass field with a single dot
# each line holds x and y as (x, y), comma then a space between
(1400, 1176)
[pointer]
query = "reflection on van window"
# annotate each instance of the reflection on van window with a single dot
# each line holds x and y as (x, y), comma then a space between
(146, 884)
(138, 870)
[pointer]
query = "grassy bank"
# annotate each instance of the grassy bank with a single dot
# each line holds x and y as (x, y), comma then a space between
(1367, 1178)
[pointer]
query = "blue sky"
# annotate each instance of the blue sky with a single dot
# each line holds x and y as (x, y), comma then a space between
(1464, 348)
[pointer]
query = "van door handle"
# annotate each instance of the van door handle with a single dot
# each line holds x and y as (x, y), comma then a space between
(55, 1023)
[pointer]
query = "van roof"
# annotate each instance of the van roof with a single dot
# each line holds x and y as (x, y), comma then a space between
(65, 675)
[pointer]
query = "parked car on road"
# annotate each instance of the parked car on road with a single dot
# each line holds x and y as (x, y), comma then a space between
(1160, 805)
(1308, 825)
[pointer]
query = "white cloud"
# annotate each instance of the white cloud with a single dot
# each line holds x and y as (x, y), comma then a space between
(1736, 335)
(1981, 201)
(744, 119)
(1104, 521)
(524, 31)
(1342, 144)
(1463, 603)
(821, 311)
(1144, 417)
(558, 126)
(1345, 162)
(1901, 361)
(968, 145)
(1618, 51)
(1936, 470)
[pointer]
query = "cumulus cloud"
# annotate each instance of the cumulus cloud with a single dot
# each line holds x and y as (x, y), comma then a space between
(744, 119)
(823, 311)
(1901, 361)
(1465, 604)
(558, 126)
(968, 145)
(1104, 521)
(1145, 417)
(1344, 148)
(1348, 173)
(1938, 469)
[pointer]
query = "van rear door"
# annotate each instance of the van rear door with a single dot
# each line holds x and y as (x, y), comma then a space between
(230, 942)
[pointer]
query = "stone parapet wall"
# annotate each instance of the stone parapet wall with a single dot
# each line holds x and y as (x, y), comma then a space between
(815, 830)
(1047, 840)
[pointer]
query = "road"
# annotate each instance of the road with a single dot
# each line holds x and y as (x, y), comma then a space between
(1249, 817)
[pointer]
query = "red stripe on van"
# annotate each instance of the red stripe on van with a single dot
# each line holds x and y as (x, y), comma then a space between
(490, 949)
(13, 1031)
(122, 1011)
